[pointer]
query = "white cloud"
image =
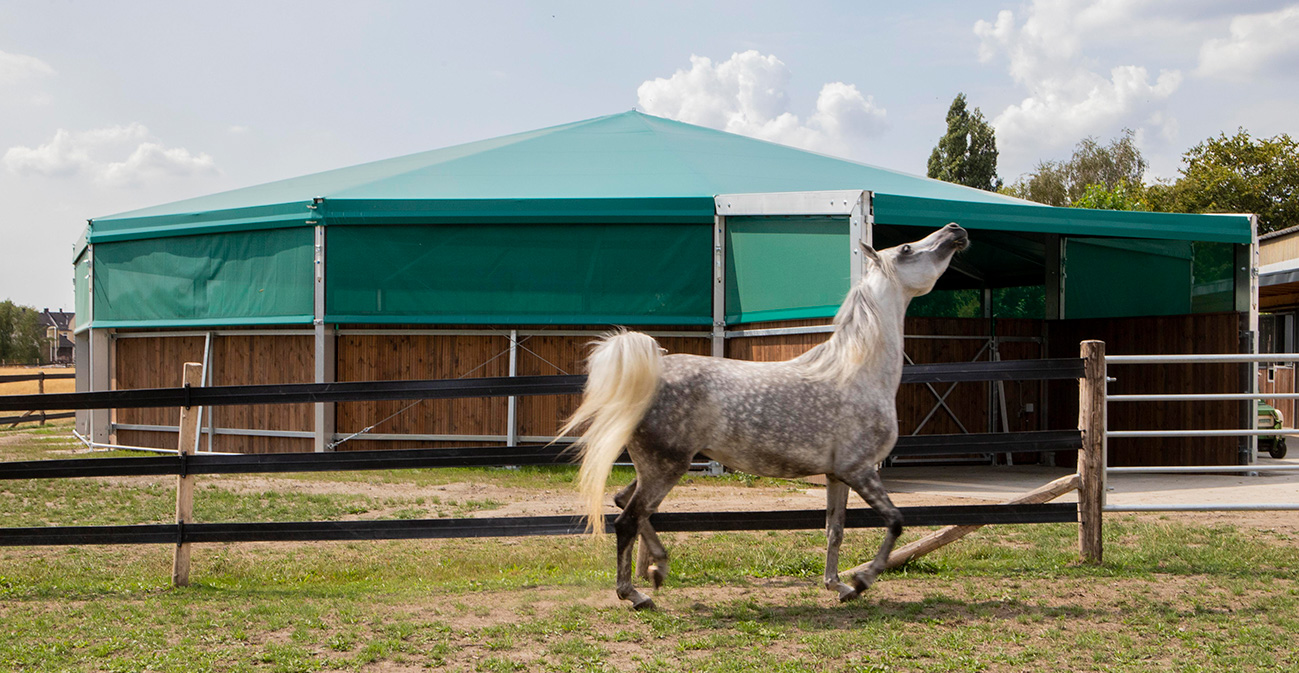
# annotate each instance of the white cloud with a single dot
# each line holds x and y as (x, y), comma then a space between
(746, 94)
(1069, 97)
(1257, 42)
(114, 156)
(15, 67)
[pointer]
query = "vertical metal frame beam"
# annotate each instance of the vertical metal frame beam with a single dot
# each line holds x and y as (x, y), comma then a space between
(82, 346)
(856, 204)
(101, 378)
(1055, 276)
(512, 403)
(1247, 303)
(326, 359)
(719, 286)
(861, 231)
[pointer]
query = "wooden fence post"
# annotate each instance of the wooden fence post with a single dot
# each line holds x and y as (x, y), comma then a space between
(185, 482)
(40, 390)
(1092, 458)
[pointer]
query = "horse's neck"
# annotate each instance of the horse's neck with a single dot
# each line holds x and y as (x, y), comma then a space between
(884, 366)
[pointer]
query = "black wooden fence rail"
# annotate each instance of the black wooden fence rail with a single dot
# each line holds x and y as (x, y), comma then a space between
(389, 529)
(930, 445)
(34, 416)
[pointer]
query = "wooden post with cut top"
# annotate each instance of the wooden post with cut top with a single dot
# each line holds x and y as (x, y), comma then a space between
(185, 482)
(1092, 458)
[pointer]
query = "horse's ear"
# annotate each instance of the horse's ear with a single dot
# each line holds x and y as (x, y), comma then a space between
(869, 254)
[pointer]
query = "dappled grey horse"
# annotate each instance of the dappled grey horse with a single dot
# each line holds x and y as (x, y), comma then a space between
(830, 411)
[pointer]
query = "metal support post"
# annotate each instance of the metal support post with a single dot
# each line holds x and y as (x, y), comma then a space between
(101, 377)
(326, 360)
(719, 286)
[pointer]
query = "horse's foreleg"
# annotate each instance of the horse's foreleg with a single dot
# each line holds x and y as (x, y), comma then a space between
(836, 509)
(870, 487)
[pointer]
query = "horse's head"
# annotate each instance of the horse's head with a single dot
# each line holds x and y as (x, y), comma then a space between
(915, 267)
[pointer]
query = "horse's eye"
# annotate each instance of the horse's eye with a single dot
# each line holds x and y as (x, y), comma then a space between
(906, 250)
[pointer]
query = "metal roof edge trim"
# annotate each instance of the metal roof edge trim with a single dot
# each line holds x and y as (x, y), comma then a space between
(923, 211)
(684, 209)
(196, 227)
(766, 315)
(515, 319)
(204, 322)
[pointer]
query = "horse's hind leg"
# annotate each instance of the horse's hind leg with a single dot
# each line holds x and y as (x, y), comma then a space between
(642, 552)
(836, 510)
(870, 487)
(652, 485)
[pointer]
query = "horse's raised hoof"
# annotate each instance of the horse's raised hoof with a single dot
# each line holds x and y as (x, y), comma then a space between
(657, 574)
(847, 593)
(645, 603)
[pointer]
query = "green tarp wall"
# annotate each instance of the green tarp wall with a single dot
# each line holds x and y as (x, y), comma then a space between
(631, 274)
(1113, 278)
(785, 268)
(244, 278)
(81, 290)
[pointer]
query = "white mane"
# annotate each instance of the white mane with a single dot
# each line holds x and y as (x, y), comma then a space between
(853, 344)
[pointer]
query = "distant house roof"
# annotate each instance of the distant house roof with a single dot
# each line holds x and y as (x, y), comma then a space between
(60, 319)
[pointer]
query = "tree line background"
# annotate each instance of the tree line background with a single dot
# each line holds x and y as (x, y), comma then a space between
(1223, 174)
(22, 337)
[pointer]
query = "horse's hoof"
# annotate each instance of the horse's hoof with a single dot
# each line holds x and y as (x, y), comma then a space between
(847, 593)
(645, 603)
(657, 574)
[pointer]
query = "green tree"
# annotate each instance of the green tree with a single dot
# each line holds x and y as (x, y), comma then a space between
(967, 153)
(21, 335)
(1123, 196)
(1240, 174)
(1117, 168)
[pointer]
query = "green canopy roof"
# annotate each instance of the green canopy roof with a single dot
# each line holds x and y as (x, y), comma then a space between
(628, 167)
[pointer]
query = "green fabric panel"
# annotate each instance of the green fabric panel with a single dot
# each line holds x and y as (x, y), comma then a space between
(1030, 217)
(514, 273)
(785, 268)
(235, 278)
(1128, 277)
(1213, 277)
(81, 293)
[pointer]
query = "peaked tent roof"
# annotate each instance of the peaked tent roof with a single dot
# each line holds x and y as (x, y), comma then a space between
(628, 167)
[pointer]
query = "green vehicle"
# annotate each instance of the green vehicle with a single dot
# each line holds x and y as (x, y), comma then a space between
(1270, 419)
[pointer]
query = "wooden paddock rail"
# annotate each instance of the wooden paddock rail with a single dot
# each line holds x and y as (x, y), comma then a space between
(1032, 508)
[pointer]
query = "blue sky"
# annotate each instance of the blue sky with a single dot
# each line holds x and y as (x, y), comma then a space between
(112, 106)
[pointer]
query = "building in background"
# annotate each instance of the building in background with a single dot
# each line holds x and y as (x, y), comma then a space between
(58, 336)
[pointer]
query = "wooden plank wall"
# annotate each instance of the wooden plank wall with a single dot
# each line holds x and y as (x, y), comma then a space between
(236, 360)
(151, 362)
(409, 357)
(542, 415)
(1201, 333)
(404, 357)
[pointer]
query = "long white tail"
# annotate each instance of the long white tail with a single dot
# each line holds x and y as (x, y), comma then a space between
(624, 372)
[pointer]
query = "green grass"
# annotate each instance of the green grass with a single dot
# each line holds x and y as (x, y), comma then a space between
(1172, 595)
